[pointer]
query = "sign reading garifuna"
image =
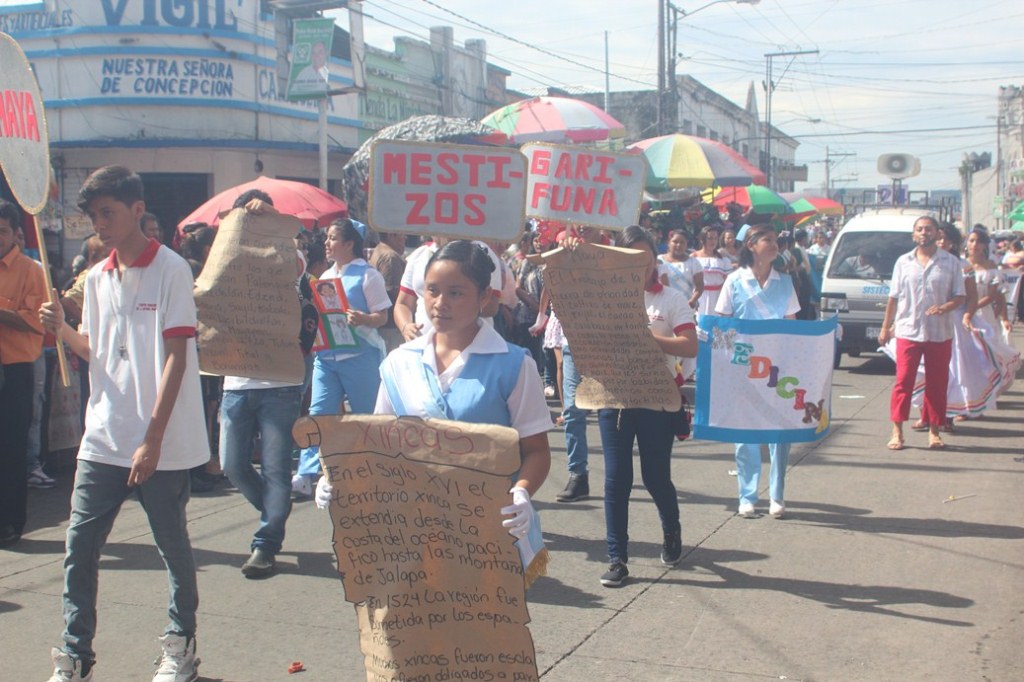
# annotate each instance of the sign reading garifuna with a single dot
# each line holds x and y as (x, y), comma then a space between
(24, 143)
(437, 582)
(598, 294)
(764, 381)
(584, 186)
(249, 312)
(311, 49)
(460, 191)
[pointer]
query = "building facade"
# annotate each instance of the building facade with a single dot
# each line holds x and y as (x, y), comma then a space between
(702, 112)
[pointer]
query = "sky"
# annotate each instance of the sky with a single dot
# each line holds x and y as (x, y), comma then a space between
(914, 76)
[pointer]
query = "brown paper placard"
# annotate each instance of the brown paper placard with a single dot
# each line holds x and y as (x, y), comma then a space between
(436, 580)
(249, 313)
(598, 295)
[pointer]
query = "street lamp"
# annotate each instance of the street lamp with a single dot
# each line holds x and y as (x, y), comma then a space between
(667, 67)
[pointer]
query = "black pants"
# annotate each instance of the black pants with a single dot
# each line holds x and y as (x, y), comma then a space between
(15, 415)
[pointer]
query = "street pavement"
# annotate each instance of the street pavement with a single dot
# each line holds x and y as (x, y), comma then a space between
(889, 566)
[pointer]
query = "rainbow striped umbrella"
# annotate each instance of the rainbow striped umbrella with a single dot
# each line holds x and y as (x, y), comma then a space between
(685, 161)
(559, 120)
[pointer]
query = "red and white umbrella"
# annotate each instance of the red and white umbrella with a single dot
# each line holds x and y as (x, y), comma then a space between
(558, 120)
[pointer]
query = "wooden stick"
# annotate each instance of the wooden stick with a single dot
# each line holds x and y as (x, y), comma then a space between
(62, 360)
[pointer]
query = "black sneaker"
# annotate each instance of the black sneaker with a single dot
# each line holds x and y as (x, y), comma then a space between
(259, 565)
(577, 488)
(615, 575)
(672, 549)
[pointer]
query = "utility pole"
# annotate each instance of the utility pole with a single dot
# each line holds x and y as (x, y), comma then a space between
(661, 67)
(769, 87)
(828, 168)
(607, 81)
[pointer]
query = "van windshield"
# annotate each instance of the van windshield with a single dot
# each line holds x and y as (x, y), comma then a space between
(868, 255)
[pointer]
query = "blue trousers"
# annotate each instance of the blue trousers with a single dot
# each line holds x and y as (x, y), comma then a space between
(653, 434)
(99, 491)
(357, 378)
(748, 470)
(575, 423)
(271, 412)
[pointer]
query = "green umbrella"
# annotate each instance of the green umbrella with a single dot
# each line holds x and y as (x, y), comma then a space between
(1017, 213)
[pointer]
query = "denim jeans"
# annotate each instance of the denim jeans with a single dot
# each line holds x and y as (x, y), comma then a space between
(271, 412)
(653, 434)
(357, 378)
(576, 449)
(99, 491)
(748, 470)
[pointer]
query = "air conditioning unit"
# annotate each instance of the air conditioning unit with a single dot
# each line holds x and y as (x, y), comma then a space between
(899, 166)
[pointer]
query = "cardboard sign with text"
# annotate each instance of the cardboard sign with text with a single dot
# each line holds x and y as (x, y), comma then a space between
(459, 191)
(584, 186)
(598, 295)
(436, 580)
(249, 312)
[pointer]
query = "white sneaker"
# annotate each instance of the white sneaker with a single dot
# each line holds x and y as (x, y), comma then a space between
(746, 510)
(178, 662)
(302, 486)
(549, 391)
(777, 509)
(67, 669)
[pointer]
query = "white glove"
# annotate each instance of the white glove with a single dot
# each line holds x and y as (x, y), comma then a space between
(324, 493)
(522, 513)
(702, 335)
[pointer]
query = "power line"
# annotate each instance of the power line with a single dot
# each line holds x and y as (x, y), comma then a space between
(517, 41)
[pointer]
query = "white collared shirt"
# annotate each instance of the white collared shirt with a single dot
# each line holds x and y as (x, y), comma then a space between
(526, 404)
(917, 288)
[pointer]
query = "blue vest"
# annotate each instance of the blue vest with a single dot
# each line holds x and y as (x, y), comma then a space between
(480, 393)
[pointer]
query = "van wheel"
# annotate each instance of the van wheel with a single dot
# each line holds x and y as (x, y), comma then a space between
(837, 359)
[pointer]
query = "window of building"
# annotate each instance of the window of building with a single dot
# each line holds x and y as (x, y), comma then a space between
(687, 127)
(713, 135)
(702, 131)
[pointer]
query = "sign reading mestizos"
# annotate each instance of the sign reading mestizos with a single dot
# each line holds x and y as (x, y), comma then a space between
(462, 191)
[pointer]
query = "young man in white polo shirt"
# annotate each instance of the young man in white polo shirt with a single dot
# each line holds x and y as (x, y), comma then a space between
(143, 425)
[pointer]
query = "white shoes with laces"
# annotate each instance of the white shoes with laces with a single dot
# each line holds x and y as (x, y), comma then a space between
(66, 668)
(777, 509)
(178, 662)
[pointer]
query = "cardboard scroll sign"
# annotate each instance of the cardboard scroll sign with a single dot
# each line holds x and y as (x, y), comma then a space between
(452, 190)
(598, 294)
(437, 582)
(248, 306)
(584, 186)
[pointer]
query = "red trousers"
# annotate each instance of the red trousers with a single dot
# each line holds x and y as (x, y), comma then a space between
(936, 377)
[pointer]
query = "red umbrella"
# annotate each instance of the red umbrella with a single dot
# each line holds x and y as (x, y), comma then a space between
(309, 204)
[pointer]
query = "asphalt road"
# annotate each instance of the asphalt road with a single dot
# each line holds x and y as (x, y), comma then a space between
(890, 566)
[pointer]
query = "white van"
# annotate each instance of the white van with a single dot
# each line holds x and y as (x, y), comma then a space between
(855, 283)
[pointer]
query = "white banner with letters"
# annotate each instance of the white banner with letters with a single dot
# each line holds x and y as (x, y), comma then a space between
(764, 381)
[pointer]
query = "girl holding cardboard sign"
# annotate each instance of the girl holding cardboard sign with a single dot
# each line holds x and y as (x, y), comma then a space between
(351, 372)
(670, 319)
(463, 370)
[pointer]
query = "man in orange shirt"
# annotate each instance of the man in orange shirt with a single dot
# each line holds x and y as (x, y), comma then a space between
(22, 291)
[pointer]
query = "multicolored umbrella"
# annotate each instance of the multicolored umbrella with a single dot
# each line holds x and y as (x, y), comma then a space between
(560, 120)
(802, 203)
(1017, 214)
(310, 204)
(685, 161)
(757, 198)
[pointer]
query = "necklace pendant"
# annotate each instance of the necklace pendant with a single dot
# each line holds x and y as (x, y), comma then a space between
(123, 352)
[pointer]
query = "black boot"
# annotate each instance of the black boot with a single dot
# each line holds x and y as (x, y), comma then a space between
(577, 488)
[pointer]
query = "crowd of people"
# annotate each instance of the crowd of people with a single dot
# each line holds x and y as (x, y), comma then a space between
(454, 330)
